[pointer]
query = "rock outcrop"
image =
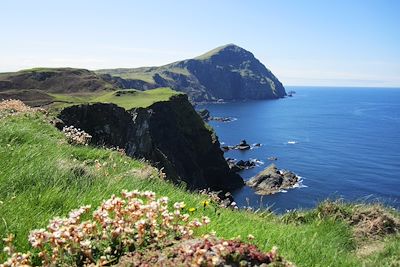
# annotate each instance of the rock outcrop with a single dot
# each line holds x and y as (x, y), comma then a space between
(271, 180)
(169, 134)
(240, 165)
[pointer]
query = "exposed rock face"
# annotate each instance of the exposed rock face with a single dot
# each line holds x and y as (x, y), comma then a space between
(271, 180)
(228, 72)
(169, 134)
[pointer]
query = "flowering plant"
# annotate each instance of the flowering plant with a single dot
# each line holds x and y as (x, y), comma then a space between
(120, 225)
(76, 136)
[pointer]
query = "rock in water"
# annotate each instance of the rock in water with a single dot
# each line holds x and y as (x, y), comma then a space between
(243, 145)
(204, 114)
(170, 134)
(271, 180)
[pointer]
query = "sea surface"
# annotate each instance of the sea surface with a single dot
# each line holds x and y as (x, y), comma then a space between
(343, 142)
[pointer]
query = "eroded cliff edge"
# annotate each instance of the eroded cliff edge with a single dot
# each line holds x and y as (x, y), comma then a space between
(169, 134)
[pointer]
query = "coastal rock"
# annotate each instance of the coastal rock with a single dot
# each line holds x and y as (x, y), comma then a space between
(243, 145)
(240, 165)
(271, 180)
(204, 114)
(169, 134)
(222, 119)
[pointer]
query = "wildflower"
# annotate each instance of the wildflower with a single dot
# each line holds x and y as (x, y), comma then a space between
(250, 237)
(196, 223)
(206, 220)
(192, 209)
(205, 203)
(7, 250)
(179, 205)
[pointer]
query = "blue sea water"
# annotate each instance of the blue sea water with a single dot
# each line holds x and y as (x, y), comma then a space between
(343, 142)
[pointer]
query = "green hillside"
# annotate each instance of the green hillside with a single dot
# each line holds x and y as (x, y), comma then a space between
(42, 176)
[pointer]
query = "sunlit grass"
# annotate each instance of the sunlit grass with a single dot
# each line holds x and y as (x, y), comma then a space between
(42, 176)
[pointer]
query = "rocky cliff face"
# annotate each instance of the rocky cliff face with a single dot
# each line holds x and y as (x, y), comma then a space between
(169, 134)
(228, 72)
(232, 73)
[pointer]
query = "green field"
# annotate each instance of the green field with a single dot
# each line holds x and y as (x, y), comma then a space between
(42, 176)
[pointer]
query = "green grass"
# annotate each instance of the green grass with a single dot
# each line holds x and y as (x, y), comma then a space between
(130, 98)
(42, 176)
(125, 98)
(146, 73)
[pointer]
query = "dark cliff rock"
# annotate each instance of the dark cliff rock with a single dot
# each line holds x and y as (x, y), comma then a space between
(170, 134)
(271, 180)
(204, 114)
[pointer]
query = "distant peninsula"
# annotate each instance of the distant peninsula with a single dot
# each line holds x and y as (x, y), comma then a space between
(227, 73)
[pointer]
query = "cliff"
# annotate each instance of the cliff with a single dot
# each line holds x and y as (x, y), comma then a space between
(169, 134)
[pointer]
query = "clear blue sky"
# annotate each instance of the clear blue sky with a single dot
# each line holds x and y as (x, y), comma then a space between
(308, 42)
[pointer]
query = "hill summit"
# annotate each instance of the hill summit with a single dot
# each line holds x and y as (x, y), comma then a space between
(225, 73)
(228, 72)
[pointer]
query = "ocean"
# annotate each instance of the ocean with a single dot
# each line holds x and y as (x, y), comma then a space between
(343, 142)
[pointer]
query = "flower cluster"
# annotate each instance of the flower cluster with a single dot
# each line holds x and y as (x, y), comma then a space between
(12, 107)
(118, 226)
(206, 251)
(14, 258)
(76, 136)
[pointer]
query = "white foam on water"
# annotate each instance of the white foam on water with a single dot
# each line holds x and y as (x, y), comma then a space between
(257, 161)
(299, 184)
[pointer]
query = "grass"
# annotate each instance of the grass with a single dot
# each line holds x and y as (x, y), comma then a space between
(125, 98)
(145, 73)
(42, 176)
(130, 98)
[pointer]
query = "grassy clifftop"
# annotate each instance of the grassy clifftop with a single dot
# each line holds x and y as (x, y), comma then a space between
(42, 176)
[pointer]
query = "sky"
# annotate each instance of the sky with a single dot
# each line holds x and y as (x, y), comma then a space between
(307, 42)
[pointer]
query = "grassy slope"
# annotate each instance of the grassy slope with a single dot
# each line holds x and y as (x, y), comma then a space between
(41, 176)
(145, 73)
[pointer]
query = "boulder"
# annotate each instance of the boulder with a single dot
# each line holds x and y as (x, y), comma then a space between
(271, 180)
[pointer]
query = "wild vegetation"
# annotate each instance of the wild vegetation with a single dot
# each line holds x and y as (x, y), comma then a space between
(43, 176)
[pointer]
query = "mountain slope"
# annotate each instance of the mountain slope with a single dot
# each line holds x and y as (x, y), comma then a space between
(228, 72)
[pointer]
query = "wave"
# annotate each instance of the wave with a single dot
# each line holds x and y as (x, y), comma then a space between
(257, 162)
(292, 142)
